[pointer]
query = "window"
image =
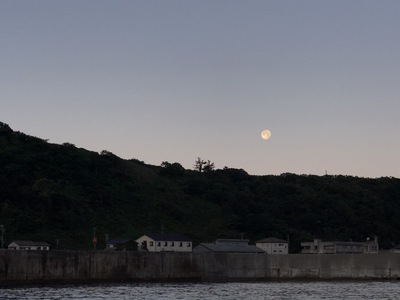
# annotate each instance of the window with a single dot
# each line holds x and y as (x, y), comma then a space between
(151, 244)
(180, 244)
(188, 244)
(158, 244)
(172, 244)
(165, 244)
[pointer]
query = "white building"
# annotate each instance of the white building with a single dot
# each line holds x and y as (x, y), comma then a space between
(335, 247)
(157, 242)
(28, 245)
(272, 245)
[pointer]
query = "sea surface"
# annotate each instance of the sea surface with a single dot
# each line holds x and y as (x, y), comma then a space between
(192, 291)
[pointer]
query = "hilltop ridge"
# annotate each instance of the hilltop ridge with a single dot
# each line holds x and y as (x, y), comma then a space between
(59, 193)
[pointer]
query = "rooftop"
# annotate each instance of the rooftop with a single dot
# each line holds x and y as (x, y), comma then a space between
(229, 248)
(272, 240)
(30, 243)
(164, 237)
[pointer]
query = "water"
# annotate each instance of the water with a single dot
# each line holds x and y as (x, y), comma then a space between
(225, 291)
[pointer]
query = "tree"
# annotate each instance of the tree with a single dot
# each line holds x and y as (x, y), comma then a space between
(208, 166)
(201, 165)
(174, 169)
(198, 165)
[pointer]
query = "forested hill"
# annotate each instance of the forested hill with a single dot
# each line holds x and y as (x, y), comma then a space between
(59, 193)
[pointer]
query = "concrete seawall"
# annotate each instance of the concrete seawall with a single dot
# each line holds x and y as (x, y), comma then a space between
(25, 267)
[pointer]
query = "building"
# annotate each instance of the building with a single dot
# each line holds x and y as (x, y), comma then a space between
(395, 249)
(336, 247)
(117, 244)
(228, 246)
(28, 245)
(157, 242)
(272, 245)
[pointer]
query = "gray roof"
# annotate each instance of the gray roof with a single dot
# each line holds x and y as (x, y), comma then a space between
(229, 242)
(31, 243)
(232, 241)
(272, 240)
(165, 237)
(203, 247)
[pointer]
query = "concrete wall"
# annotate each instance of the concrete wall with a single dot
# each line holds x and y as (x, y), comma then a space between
(23, 267)
(336, 266)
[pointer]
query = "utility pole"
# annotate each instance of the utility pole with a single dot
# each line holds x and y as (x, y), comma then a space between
(2, 235)
(94, 238)
(107, 238)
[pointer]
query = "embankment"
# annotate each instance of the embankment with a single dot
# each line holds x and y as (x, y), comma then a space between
(26, 267)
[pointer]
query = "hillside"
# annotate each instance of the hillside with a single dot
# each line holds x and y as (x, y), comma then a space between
(59, 193)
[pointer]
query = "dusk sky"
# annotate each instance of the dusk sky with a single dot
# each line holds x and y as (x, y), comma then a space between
(172, 80)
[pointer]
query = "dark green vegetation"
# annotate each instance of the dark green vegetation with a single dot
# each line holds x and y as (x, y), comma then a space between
(61, 192)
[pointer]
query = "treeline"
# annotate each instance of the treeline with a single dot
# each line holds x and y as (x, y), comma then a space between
(60, 193)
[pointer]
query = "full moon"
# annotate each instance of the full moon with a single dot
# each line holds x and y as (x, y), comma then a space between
(265, 134)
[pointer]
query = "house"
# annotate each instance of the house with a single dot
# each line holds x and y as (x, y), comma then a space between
(28, 245)
(228, 246)
(117, 244)
(272, 245)
(395, 249)
(336, 247)
(157, 242)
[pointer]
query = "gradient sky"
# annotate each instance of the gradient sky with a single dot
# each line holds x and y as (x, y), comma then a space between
(176, 80)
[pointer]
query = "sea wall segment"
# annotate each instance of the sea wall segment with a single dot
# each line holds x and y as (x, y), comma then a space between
(336, 266)
(24, 267)
(68, 266)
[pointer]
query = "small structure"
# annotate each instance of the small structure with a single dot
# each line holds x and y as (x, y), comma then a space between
(272, 245)
(117, 244)
(228, 246)
(28, 245)
(336, 247)
(395, 249)
(158, 242)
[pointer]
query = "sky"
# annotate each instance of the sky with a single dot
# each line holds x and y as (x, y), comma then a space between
(173, 80)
